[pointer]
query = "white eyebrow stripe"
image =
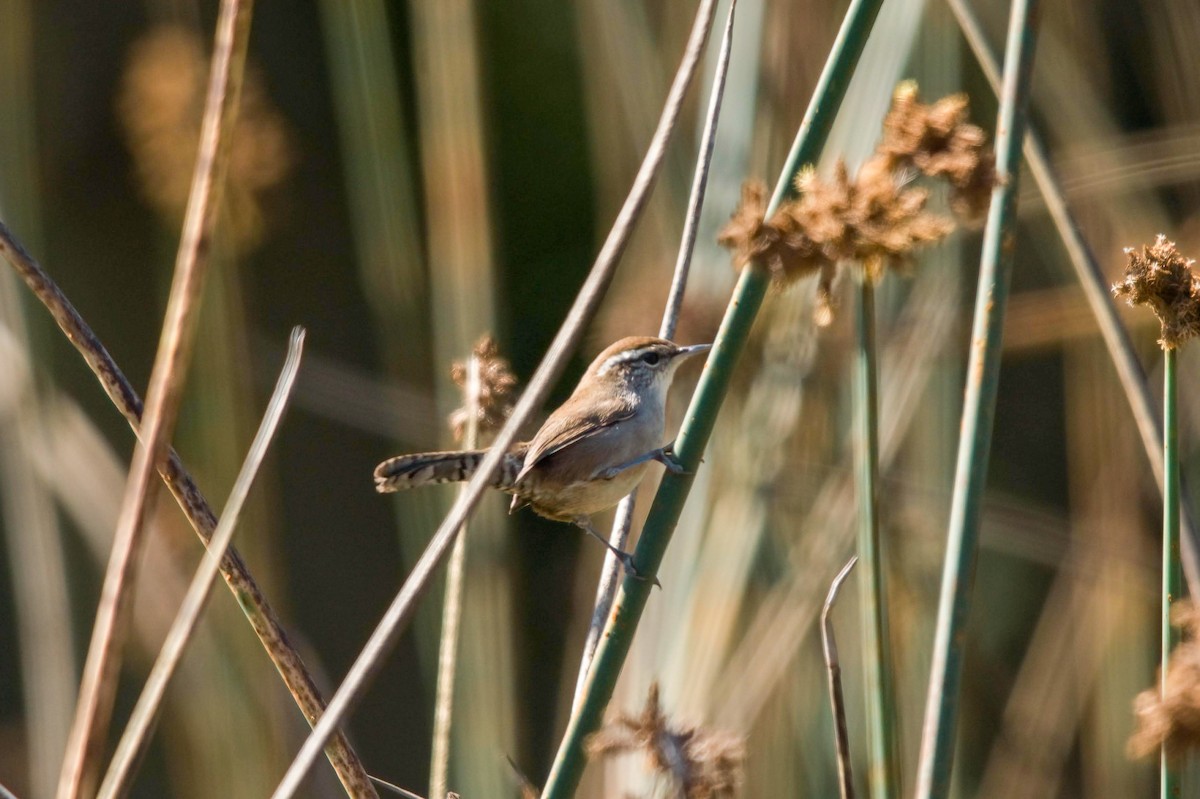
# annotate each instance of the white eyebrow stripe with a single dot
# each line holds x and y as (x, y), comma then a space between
(625, 357)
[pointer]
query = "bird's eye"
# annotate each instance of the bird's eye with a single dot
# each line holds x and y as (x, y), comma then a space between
(651, 358)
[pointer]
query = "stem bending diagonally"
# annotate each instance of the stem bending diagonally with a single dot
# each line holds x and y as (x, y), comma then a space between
(97, 689)
(730, 341)
(399, 613)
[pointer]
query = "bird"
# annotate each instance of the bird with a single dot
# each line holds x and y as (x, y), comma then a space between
(592, 451)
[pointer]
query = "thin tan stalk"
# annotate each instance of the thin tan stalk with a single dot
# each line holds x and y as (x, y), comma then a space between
(195, 506)
(837, 700)
(133, 742)
(452, 610)
(102, 667)
(398, 614)
(623, 521)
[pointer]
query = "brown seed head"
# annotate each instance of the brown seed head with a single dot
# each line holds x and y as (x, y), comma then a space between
(160, 105)
(1171, 717)
(940, 141)
(704, 763)
(496, 384)
(1163, 279)
(877, 218)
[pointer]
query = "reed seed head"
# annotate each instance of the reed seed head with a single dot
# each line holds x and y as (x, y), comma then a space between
(1170, 717)
(877, 218)
(1159, 276)
(704, 763)
(496, 385)
(160, 106)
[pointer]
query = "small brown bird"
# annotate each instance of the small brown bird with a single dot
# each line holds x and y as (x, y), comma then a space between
(592, 451)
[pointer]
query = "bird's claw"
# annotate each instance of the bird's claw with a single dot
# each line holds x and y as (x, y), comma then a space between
(671, 461)
(632, 571)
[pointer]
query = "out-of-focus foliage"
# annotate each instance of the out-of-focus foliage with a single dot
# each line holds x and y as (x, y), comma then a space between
(407, 182)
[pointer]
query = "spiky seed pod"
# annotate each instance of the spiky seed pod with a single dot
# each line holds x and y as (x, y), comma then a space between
(496, 385)
(1171, 718)
(704, 763)
(1162, 278)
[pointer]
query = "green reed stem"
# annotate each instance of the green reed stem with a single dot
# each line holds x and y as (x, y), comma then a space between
(979, 405)
(1172, 572)
(883, 775)
(701, 416)
(1094, 283)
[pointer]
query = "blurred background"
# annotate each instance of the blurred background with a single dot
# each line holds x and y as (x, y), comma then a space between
(408, 176)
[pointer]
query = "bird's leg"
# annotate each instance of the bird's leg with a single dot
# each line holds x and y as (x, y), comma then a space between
(584, 523)
(664, 455)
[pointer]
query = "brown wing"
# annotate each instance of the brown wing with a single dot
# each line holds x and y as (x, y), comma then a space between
(570, 424)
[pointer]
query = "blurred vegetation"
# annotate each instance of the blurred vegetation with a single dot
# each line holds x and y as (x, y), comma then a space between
(409, 178)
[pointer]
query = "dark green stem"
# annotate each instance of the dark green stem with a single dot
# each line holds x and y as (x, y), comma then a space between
(698, 424)
(1172, 573)
(1095, 287)
(877, 659)
(979, 405)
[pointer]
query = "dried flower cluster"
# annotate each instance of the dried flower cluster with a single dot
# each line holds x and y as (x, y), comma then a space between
(940, 142)
(1171, 718)
(160, 106)
(877, 218)
(1163, 279)
(705, 764)
(496, 384)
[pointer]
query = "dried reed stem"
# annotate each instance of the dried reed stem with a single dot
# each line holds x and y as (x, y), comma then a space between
(136, 736)
(101, 669)
(196, 508)
(607, 588)
(399, 613)
(452, 609)
(837, 701)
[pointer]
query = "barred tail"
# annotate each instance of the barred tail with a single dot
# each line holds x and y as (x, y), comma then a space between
(428, 468)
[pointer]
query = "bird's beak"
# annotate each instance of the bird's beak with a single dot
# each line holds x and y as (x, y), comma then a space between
(695, 349)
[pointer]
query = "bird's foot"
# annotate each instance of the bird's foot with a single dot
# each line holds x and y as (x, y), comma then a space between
(667, 457)
(632, 570)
